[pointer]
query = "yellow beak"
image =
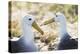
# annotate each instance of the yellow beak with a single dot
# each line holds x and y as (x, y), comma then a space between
(35, 25)
(49, 21)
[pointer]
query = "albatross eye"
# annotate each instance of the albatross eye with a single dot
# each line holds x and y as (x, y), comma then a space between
(30, 19)
(56, 15)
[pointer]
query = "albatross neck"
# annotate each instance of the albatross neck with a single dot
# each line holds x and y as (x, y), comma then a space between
(63, 29)
(27, 32)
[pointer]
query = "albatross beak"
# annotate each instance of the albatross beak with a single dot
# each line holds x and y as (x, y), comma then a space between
(35, 25)
(49, 21)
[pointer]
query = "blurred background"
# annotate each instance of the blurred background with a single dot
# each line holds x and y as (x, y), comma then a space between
(42, 12)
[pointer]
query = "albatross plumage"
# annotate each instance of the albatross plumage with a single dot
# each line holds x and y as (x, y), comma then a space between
(26, 42)
(66, 41)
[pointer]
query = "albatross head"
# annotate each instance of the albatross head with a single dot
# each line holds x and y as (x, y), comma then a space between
(58, 17)
(29, 20)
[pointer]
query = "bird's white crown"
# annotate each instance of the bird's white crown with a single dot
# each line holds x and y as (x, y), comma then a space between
(59, 17)
(28, 19)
